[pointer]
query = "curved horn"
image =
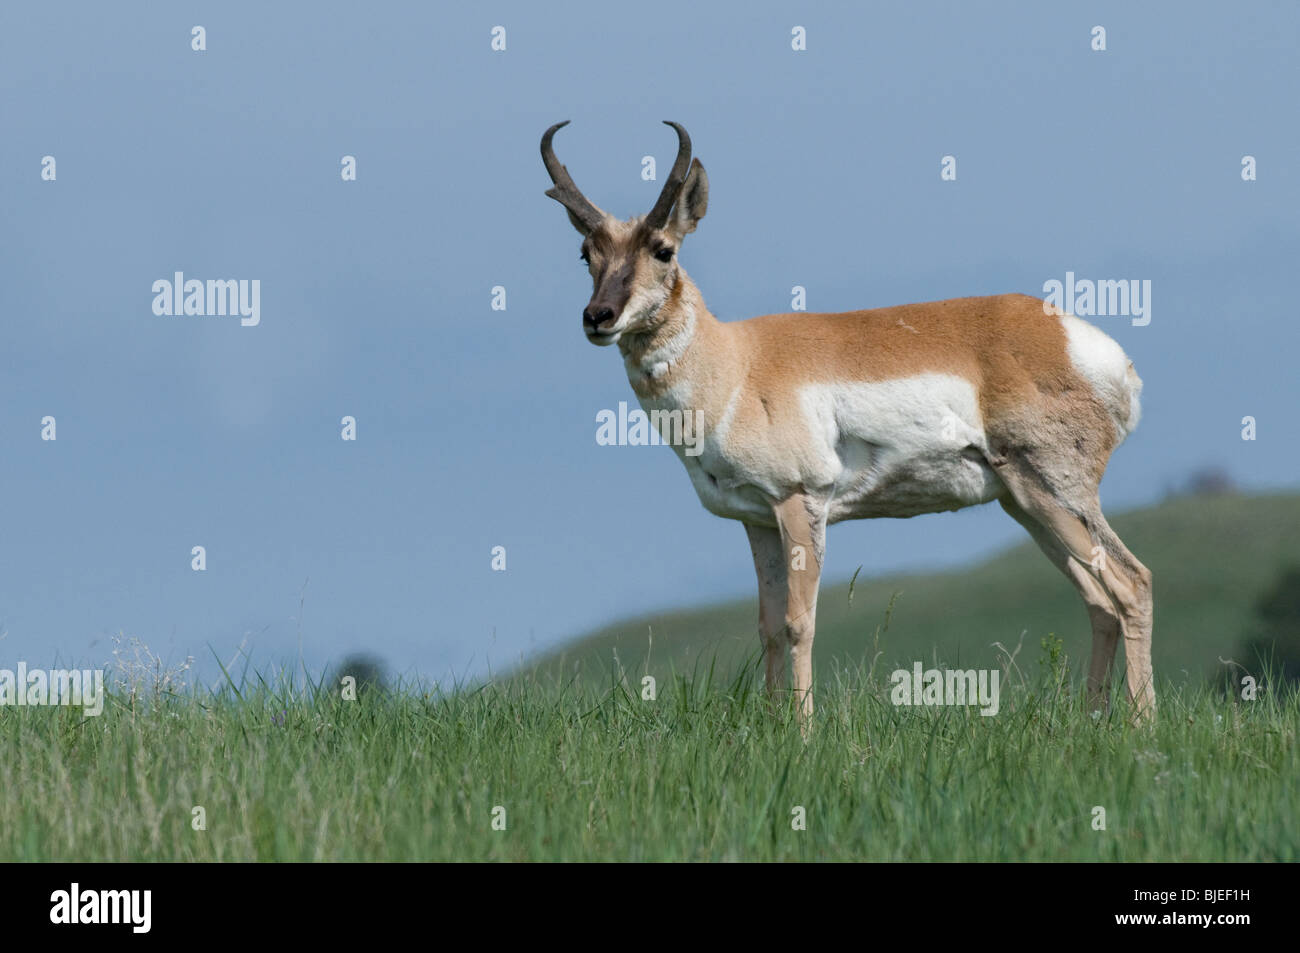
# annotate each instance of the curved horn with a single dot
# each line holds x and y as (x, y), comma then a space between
(658, 216)
(565, 192)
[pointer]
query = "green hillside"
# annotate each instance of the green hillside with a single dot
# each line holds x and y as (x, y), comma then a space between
(1212, 558)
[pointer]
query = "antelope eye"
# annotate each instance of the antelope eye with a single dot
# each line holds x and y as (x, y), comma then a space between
(664, 254)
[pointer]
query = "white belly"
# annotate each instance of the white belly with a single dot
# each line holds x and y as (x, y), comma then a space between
(888, 448)
(900, 447)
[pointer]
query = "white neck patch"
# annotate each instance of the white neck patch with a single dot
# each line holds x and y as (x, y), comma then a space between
(655, 364)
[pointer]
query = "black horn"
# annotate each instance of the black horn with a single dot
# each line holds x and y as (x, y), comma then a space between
(658, 216)
(565, 192)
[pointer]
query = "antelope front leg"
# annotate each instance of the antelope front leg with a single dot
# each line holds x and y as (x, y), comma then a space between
(770, 565)
(802, 522)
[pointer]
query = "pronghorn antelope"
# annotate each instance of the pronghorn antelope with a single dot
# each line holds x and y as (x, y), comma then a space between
(814, 418)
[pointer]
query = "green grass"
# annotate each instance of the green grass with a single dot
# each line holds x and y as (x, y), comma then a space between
(1212, 558)
(703, 772)
(587, 770)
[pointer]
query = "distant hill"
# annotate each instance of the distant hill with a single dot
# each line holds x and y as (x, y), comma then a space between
(1212, 557)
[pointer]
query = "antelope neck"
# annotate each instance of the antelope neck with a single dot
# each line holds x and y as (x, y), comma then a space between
(659, 359)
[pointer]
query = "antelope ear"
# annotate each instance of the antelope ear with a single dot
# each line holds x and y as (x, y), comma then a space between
(692, 202)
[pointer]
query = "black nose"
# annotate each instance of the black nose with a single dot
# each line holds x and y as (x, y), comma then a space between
(594, 318)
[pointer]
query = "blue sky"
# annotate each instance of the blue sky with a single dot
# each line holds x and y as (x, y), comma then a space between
(476, 427)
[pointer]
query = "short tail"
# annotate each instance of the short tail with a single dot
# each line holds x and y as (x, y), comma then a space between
(1127, 419)
(1102, 362)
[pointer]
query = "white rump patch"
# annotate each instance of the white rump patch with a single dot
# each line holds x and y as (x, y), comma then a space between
(1104, 365)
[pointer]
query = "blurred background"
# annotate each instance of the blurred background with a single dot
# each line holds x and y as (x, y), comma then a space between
(476, 427)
